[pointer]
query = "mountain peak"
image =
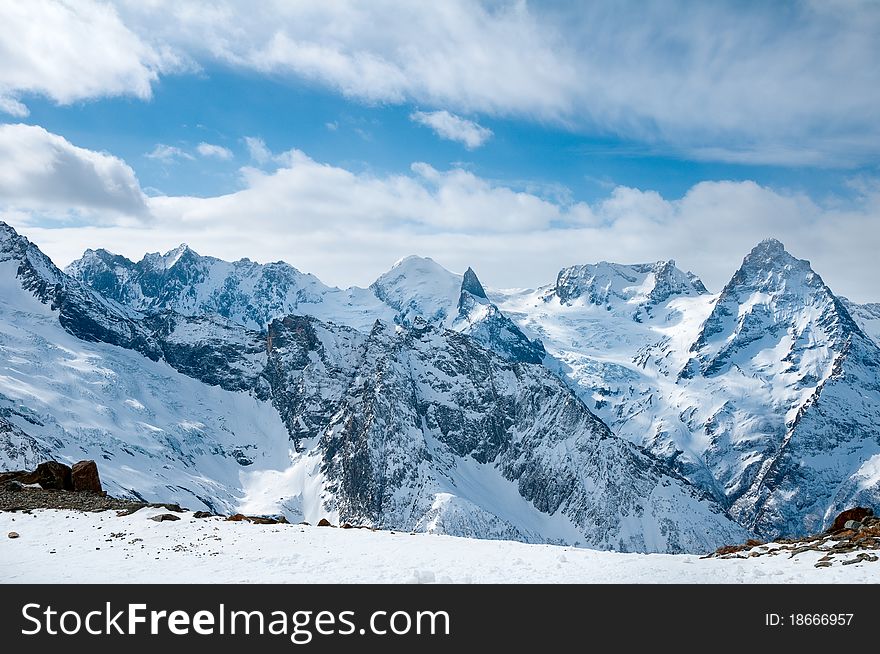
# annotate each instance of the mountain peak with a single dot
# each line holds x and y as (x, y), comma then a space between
(471, 284)
(636, 284)
(8, 232)
(768, 250)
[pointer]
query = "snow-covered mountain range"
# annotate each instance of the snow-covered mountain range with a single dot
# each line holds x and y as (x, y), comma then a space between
(621, 407)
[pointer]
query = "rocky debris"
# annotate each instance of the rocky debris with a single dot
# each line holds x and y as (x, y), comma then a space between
(347, 525)
(12, 534)
(84, 477)
(846, 536)
(324, 522)
(24, 498)
(13, 486)
(857, 514)
(203, 514)
(257, 520)
(165, 517)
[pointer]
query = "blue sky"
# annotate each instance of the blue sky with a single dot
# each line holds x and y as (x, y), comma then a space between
(515, 137)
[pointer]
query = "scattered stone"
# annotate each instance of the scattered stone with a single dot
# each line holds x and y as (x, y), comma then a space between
(324, 522)
(855, 525)
(13, 534)
(870, 558)
(858, 513)
(203, 514)
(163, 517)
(13, 486)
(84, 477)
(823, 564)
(305, 523)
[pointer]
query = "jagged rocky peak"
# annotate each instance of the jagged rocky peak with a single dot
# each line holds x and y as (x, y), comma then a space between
(773, 299)
(471, 284)
(170, 258)
(7, 232)
(640, 284)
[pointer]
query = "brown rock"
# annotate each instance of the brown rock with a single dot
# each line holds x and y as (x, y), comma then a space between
(54, 475)
(263, 521)
(17, 475)
(347, 525)
(84, 476)
(13, 534)
(238, 517)
(324, 522)
(858, 513)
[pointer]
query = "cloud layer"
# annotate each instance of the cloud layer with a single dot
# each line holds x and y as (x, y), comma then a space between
(788, 83)
(45, 173)
(71, 51)
(348, 227)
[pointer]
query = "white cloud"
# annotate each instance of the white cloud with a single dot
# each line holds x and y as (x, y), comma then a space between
(215, 151)
(791, 83)
(785, 83)
(45, 173)
(348, 227)
(257, 149)
(168, 153)
(72, 50)
(452, 127)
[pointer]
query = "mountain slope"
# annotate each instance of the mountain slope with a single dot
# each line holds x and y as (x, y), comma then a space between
(867, 317)
(406, 426)
(243, 291)
(764, 395)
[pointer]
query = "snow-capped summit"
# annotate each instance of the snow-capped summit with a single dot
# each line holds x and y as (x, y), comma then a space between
(796, 395)
(774, 298)
(628, 288)
(246, 292)
(420, 288)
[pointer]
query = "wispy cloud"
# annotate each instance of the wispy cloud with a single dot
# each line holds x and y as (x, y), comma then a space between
(214, 151)
(454, 128)
(257, 149)
(168, 153)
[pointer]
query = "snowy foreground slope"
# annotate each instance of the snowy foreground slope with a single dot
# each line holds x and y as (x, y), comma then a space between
(62, 547)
